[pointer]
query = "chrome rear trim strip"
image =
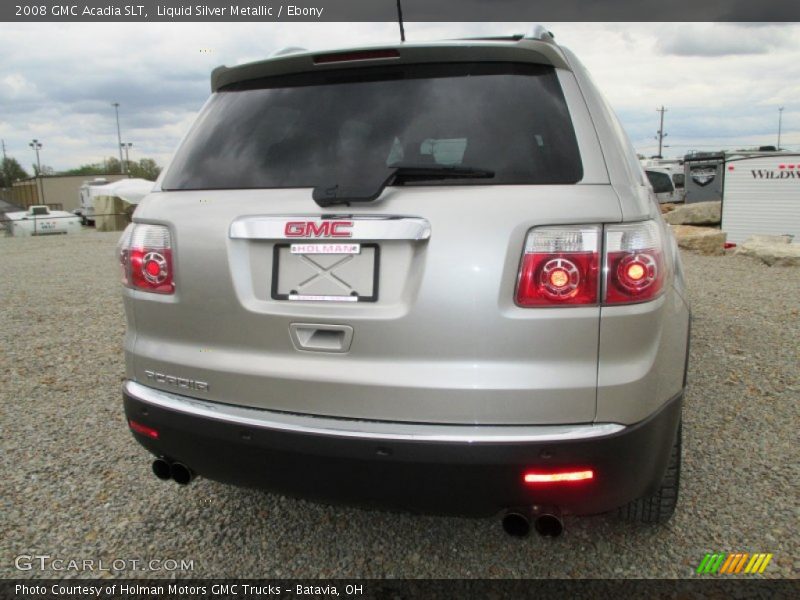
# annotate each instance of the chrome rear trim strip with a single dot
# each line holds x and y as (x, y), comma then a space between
(368, 430)
(330, 227)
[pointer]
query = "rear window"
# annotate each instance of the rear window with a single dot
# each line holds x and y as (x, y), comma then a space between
(352, 126)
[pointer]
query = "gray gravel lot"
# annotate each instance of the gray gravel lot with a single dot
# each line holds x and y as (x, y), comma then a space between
(76, 485)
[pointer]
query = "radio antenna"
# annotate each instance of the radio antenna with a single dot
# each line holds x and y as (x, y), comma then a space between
(400, 21)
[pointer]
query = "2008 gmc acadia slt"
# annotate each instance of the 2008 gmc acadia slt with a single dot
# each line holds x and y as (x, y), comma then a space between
(425, 276)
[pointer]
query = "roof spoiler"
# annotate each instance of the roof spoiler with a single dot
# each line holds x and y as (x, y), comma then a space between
(535, 32)
(287, 50)
(539, 32)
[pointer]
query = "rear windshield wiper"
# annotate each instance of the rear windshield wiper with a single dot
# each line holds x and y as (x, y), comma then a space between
(328, 195)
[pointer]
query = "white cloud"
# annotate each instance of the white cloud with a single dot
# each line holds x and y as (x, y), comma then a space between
(723, 39)
(14, 87)
(57, 81)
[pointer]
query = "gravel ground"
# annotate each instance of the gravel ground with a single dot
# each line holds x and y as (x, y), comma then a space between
(76, 485)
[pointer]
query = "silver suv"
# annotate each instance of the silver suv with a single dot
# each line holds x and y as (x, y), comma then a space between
(425, 276)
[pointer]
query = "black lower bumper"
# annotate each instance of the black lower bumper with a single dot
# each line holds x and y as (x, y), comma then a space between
(436, 477)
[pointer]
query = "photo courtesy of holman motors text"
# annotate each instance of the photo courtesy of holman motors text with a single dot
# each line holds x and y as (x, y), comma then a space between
(183, 590)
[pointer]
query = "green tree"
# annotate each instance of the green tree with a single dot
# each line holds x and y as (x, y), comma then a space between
(96, 169)
(112, 166)
(46, 170)
(11, 172)
(146, 168)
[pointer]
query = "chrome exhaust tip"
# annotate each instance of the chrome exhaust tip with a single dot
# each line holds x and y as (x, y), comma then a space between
(161, 469)
(549, 524)
(516, 523)
(181, 474)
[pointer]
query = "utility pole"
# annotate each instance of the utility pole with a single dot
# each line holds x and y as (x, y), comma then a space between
(127, 146)
(5, 164)
(780, 119)
(660, 134)
(37, 145)
(119, 137)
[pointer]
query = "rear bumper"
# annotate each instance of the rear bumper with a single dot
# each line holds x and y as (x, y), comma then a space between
(431, 468)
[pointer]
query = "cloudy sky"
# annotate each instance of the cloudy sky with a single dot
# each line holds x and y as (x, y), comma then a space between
(721, 83)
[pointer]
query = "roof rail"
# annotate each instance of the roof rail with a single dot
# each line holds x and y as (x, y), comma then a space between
(287, 50)
(539, 32)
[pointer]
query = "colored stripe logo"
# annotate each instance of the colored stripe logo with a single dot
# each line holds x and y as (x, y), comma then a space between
(737, 562)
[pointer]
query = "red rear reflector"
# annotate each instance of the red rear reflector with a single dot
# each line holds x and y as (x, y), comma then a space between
(321, 59)
(143, 429)
(559, 477)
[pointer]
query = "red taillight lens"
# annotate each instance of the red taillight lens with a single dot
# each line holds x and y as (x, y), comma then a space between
(558, 477)
(146, 257)
(559, 267)
(635, 266)
(143, 429)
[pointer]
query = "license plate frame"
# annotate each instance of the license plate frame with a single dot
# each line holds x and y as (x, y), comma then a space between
(277, 251)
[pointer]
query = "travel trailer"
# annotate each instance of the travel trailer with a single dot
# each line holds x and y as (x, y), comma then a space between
(761, 195)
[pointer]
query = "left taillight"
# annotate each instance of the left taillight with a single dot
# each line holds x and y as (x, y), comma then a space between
(145, 255)
(560, 266)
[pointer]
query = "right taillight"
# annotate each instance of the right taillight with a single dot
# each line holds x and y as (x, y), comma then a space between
(560, 266)
(634, 262)
(145, 254)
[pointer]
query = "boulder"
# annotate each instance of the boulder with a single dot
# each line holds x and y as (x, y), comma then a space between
(698, 213)
(703, 240)
(769, 239)
(774, 250)
(667, 207)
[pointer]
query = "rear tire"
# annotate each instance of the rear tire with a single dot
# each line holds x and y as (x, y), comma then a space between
(659, 507)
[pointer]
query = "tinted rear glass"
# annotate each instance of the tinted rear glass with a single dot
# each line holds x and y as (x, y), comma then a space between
(350, 126)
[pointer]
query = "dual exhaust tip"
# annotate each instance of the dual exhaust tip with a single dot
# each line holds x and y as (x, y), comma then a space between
(178, 472)
(547, 522)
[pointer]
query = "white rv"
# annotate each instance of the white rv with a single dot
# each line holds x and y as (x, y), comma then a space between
(674, 168)
(86, 210)
(761, 195)
(661, 181)
(130, 190)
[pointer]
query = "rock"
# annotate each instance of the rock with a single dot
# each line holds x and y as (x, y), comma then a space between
(774, 250)
(698, 213)
(769, 239)
(703, 240)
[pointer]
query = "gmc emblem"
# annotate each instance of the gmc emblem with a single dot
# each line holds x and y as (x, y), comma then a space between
(308, 229)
